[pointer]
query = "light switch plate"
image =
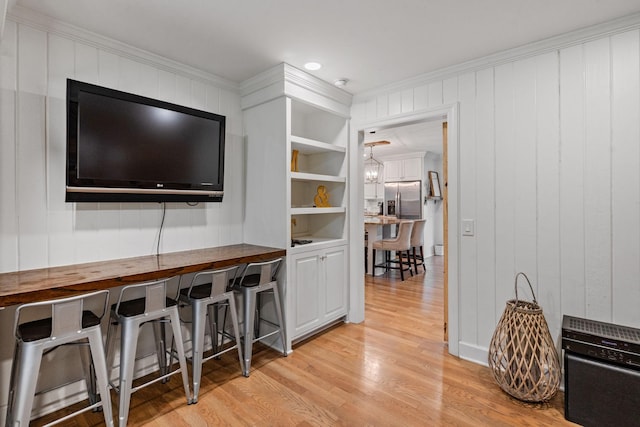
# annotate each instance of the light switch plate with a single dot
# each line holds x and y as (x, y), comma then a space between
(468, 227)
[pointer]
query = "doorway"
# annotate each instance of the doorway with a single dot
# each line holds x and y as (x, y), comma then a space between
(449, 181)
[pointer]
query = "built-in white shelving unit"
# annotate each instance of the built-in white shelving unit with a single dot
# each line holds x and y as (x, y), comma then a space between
(286, 109)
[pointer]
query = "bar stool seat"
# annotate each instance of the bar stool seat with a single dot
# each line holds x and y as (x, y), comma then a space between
(205, 300)
(131, 315)
(257, 279)
(401, 243)
(69, 324)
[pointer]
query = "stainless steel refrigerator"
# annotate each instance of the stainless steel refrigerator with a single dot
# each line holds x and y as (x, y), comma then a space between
(403, 199)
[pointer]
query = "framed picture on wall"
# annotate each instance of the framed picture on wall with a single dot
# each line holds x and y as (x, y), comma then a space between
(434, 183)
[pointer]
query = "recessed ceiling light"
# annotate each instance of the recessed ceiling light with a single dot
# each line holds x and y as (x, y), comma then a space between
(313, 66)
(341, 82)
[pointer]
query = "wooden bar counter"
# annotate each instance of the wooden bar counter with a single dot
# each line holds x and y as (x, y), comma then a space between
(57, 282)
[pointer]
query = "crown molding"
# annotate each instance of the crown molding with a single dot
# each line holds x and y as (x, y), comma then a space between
(29, 17)
(284, 79)
(583, 35)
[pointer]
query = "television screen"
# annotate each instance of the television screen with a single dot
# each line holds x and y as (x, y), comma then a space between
(124, 147)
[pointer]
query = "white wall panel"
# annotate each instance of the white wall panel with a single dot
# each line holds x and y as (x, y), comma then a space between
(407, 100)
(597, 180)
(30, 165)
(8, 57)
(625, 181)
(572, 155)
(8, 214)
(32, 60)
(421, 97)
(548, 193)
(231, 210)
(435, 94)
(524, 160)
(38, 227)
(485, 204)
(395, 103)
(555, 181)
(108, 69)
(61, 65)
(468, 180)
(370, 108)
(86, 63)
(198, 95)
(382, 107)
(450, 90)
(505, 175)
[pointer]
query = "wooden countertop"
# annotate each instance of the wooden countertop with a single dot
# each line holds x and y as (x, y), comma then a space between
(381, 220)
(56, 282)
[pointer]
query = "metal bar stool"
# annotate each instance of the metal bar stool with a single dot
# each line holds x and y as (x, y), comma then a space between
(131, 314)
(401, 243)
(69, 322)
(259, 278)
(207, 292)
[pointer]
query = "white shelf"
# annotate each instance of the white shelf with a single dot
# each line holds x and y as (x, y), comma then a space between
(316, 243)
(303, 176)
(315, 211)
(311, 146)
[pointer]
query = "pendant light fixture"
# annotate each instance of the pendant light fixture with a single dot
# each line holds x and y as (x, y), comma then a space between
(372, 167)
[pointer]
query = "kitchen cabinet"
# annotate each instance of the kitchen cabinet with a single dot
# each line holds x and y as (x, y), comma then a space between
(374, 191)
(319, 296)
(403, 169)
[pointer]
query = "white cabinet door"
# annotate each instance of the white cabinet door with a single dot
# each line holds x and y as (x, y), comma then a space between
(318, 294)
(403, 170)
(335, 267)
(412, 169)
(305, 310)
(393, 170)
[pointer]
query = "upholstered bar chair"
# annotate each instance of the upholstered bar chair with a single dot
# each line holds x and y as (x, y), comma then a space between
(417, 242)
(70, 321)
(131, 314)
(207, 293)
(399, 244)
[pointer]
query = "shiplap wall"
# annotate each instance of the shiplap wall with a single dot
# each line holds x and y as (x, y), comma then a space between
(549, 161)
(37, 227)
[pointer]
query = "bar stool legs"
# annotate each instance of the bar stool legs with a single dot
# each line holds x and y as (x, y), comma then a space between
(69, 323)
(257, 279)
(251, 330)
(131, 314)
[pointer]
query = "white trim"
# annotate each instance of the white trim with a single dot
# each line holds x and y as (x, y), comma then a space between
(626, 23)
(474, 353)
(283, 79)
(356, 232)
(25, 16)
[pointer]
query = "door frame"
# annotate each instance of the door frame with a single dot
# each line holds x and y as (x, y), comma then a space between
(450, 114)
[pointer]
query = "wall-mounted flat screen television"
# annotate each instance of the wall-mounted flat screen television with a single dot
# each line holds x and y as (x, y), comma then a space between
(123, 147)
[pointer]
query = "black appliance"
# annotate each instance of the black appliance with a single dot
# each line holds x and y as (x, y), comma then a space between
(601, 373)
(123, 147)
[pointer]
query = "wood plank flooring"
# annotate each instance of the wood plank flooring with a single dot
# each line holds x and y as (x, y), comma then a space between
(391, 370)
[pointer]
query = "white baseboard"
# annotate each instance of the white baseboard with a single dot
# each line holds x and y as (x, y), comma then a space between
(473, 353)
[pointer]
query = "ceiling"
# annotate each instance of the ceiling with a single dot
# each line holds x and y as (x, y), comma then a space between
(371, 43)
(413, 138)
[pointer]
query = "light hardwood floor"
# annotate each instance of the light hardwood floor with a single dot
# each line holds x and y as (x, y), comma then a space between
(391, 370)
